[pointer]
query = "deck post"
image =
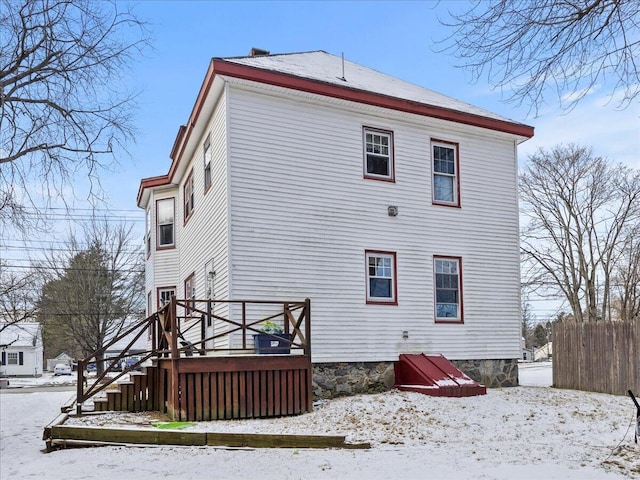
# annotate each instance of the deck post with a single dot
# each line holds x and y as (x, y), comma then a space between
(285, 317)
(307, 327)
(80, 387)
(173, 325)
(307, 352)
(153, 325)
(244, 325)
(174, 388)
(203, 334)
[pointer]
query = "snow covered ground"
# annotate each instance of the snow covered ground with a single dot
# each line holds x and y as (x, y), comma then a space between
(46, 380)
(538, 374)
(529, 432)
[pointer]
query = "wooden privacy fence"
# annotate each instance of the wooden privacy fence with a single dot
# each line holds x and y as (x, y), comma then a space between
(597, 356)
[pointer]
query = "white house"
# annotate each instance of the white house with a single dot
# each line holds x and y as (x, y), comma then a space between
(21, 349)
(392, 207)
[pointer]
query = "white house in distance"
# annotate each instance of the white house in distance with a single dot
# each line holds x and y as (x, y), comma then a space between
(392, 207)
(21, 349)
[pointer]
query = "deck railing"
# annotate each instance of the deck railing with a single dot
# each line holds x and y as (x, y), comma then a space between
(188, 327)
(228, 334)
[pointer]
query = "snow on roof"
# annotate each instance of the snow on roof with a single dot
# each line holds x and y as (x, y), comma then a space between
(19, 334)
(324, 67)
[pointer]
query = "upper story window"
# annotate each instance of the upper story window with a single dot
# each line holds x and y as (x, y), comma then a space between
(448, 289)
(378, 154)
(187, 196)
(381, 277)
(446, 179)
(147, 236)
(207, 162)
(165, 219)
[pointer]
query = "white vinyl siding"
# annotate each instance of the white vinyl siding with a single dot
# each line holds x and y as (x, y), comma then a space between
(162, 267)
(299, 227)
(204, 238)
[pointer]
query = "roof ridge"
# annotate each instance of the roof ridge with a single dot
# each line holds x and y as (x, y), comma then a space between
(239, 57)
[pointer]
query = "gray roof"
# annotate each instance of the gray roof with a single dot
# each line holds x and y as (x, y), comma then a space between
(324, 67)
(19, 334)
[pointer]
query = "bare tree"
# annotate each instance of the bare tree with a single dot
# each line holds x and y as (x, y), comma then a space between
(532, 48)
(626, 278)
(580, 210)
(63, 106)
(527, 323)
(17, 296)
(93, 290)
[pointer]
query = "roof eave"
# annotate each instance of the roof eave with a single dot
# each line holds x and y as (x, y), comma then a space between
(231, 69)
(220, 66)
(149, 183)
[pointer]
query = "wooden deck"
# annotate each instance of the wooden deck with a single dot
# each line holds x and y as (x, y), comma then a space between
(215, 384)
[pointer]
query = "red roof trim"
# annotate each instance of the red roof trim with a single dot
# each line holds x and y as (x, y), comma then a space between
(152, 182)
(220, 66)
(223, 67)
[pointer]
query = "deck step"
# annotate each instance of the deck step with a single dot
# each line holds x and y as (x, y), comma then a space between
(434, 375)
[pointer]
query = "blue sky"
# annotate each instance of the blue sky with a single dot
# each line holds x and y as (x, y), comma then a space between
(397, 38)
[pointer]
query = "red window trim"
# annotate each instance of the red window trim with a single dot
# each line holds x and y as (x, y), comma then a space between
(461, 296)
(172, 246)
(456, 146)
(367, 176)
(187, 295)
(395, 277)
(207, 146)
(190, 182)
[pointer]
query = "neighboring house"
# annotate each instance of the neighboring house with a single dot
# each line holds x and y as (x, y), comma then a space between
(545, 352)
(61, 358)
(139, 346)
(21, 349)
(392, 207)
(527, 353)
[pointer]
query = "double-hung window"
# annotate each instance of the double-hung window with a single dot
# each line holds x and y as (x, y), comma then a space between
(207, 162)
(12, 358)
(187, 196)
(378, 154)
(448, 289)
(445, 173)
(165, 220)
(381, 277)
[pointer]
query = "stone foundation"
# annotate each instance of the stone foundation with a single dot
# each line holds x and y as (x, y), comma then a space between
(495, 373)
(332, 380)
(341, 379)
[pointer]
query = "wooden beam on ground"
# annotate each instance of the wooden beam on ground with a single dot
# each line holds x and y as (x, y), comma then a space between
(121, 435)
(63, 435)
(267, 440)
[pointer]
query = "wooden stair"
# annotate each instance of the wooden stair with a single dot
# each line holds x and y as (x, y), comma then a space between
(139, 394)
